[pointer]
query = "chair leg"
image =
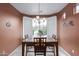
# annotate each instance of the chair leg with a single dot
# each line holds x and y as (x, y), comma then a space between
(44, 53)
(26, 50)
(34, 52)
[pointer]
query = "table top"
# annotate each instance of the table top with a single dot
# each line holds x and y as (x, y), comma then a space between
(47, 43)
(46, 40)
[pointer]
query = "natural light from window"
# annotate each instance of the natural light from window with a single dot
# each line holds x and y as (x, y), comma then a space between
(77, 8)
(39, 27)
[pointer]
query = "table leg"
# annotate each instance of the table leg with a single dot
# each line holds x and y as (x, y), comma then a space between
(54, 50)
(57, 49)
(23, 49)
(45, 52)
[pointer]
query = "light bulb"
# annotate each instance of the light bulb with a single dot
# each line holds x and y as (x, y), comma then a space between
(44, 19)
(37, 17)
(34, 19)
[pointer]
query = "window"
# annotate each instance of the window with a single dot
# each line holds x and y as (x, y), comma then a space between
(64, 16)
(77, 8)
(39, 27)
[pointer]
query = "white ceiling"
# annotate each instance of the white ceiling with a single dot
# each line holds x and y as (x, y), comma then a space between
(33, 8)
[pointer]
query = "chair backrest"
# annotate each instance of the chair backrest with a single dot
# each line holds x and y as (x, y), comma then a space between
(40, 41)
(36, 41)
(43, 42)
(40, 46)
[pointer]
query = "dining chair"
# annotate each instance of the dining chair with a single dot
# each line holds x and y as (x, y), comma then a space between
(40, 48)
(53, 47)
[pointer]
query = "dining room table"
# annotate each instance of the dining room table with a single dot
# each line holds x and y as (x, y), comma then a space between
(26, 43)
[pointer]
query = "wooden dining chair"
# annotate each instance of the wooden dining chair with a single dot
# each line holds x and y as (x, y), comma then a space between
(40, 48)
(53, 47)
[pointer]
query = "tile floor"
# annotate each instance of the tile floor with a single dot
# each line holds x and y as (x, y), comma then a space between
(18, 52)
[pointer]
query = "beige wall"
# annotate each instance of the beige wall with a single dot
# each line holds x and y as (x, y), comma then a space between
(69, 35)
(10, 37)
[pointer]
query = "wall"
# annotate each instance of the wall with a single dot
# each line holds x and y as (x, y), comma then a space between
(10, 37)
(69, 35)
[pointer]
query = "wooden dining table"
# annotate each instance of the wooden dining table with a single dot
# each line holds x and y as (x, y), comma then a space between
(32, 43)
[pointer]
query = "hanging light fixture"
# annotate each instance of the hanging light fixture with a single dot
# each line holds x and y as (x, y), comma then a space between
(37, 17)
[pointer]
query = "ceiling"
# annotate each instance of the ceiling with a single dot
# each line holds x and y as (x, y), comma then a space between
(39, 8)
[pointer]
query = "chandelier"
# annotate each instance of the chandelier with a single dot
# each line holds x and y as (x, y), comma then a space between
(38, 18)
